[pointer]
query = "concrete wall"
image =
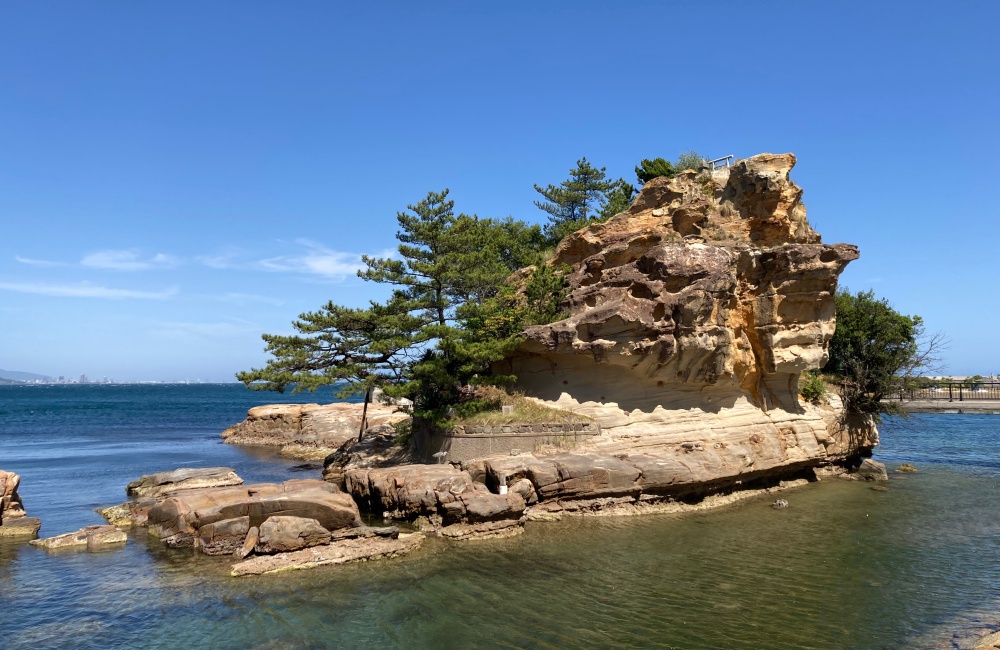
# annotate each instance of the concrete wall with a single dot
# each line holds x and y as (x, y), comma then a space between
(466, 442)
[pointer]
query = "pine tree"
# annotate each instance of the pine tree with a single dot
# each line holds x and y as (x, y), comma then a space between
(423, 342)
(574, 200)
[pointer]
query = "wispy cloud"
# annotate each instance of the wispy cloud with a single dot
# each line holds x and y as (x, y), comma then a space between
(128, 260)
(316, 259)
(42, 263)
(248, 298)
(84, 290)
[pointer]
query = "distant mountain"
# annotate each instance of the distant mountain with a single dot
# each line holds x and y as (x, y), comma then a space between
(22, 376)
(7, 382)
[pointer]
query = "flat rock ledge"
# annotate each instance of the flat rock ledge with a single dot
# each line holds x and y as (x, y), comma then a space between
(90, 538)
(185, 478)
(308, 431)
(341, 552)
(14, 521)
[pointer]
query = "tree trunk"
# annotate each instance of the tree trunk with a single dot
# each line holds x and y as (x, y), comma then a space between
(364, 413)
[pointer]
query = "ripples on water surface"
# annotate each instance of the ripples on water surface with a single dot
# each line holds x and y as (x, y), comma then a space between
(845, 566)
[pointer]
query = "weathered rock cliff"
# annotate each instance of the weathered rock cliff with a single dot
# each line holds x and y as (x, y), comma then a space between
(691, 317)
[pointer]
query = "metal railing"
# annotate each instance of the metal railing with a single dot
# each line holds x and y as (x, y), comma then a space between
(952, 391)
(720, 163)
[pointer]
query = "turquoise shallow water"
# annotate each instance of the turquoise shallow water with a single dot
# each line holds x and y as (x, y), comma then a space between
(845, 566)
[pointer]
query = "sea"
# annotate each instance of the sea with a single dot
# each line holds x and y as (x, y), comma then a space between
(845, 565)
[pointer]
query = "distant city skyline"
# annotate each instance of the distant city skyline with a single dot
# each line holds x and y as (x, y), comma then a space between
(172, 188)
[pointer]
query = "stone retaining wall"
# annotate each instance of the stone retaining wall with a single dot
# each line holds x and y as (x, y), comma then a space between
(466, 442)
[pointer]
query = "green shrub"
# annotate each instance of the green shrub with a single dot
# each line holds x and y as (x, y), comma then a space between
(811, 387)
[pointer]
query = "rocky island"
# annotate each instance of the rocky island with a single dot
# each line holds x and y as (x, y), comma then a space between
(690, 318)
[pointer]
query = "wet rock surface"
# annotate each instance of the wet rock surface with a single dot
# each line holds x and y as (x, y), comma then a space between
(90, 538)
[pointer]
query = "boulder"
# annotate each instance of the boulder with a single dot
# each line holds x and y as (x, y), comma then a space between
(178, 519)
(871, 470)
(253, 536)
(14, 521)
(282, 534)
(223, 537)
(411, 491)
(21, 527)
(90, 538)
(185, 478)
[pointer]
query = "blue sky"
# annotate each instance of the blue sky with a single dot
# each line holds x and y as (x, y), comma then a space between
(177, 178)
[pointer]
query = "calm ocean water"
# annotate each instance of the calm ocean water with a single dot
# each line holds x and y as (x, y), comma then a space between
(845, 566)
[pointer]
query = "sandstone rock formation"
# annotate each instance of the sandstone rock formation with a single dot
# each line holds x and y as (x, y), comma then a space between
(378, 448)
(177, 520)
(448, 497)
(185, 478)
(307, 431)
(14, 521)
(691, 317)
(91, 538)
(348, 550)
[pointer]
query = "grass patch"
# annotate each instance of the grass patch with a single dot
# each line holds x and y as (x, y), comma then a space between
(526, 410)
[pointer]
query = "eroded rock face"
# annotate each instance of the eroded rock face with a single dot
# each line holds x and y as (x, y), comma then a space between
(308, 431)
(14, 521)
(219, 519)
(692, 316)
(443, 492)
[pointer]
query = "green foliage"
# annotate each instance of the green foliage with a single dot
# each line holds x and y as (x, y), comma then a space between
(616, 200)
(873, 349)
(574, 200)
(812, 387)
(648, 169)
(689, 160)
(404, 430)
(448, 318)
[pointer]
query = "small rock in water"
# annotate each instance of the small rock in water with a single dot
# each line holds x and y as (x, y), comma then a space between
(780, 503)
(305, 467)
(880, 488)
(906, 467)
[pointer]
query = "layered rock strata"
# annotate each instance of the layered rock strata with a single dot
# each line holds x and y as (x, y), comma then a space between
(308, 431)
(691, 318)
(273, 519)
(447, 498)
(14, 521)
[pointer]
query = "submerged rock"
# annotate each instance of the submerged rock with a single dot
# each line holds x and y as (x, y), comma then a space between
(906, 467)
(348, 550)
(185, 478)
(90, 538)
(870, 470)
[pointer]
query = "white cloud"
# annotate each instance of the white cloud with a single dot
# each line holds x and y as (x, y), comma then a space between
(41, 263)
(84, 290)
(128, 260)
(316, 260)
